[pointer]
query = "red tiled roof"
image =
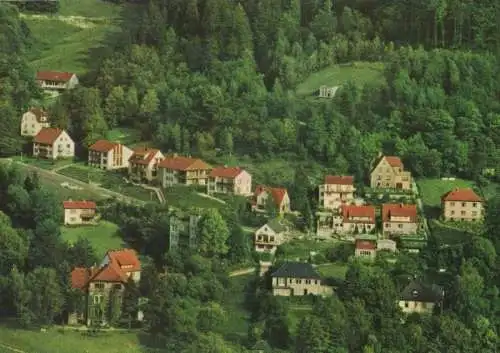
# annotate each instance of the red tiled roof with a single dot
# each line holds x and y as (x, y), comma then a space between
(80, 205)
(143, 155)
(110, 273)
(399, 210)
(125, 257)
(358, 211)
(465, 194)
(48, 135)
(339, 180)
(38, 113)
(365, 245)
(103, 146)
(278, 194)
(394, 162)
(226, 172)
(80, 277)
(54, 76)
(183, 163)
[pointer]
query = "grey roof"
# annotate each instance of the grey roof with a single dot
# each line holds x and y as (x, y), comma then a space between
(418, 291)
(296, 270)
(277, 225)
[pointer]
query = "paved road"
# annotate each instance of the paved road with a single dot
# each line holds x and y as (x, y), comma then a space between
(63, 178)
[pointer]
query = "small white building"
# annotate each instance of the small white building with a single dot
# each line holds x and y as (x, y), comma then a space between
(56, 81)
(327, 92)
(53, 143)
(109, 155)
(33, 121)
(268, 237)
(79, 212)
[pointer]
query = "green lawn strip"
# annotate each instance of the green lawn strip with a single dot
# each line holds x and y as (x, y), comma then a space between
(336, 270)
(431, 189)
(337, 75)
(125, 136)
(47, 164)
(89, 8)
(448, 234)
(296, 312)
(301, 248)
(110, 180)
(236, 326)
(103, 236)
(56, 341)
(186, 196)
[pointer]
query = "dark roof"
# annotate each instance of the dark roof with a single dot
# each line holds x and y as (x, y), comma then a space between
(277, 225)
(296, 270)
(418, 291)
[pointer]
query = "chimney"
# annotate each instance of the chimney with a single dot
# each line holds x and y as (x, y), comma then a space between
(401, 205)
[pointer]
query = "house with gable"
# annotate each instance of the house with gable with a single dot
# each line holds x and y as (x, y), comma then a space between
(298, 279)
(388, 173)
(53, 143)
(230, 180)
(143, 164)
(179, 170)
(420, 297)
(33, 121)
(355, 219)
(462, 205)
(57, 81)
(79, 212)
(399, 219)
(365, 248)
(109, 155)
(103, 286)
(336, 191)
(272, 234)
(278, 196)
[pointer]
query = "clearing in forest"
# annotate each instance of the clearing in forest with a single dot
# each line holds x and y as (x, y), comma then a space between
(337, 75)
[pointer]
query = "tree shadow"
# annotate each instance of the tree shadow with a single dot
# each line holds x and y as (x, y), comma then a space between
(432, 212)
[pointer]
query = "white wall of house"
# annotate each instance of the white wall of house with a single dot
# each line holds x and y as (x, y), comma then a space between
(30, 125)
(74, 216)
(243, 184)
(416, 307)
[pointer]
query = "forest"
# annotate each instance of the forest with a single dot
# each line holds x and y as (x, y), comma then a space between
(196, 76)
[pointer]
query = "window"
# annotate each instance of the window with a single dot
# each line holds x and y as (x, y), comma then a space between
(452, 212)
(462, 213)
(474, 213)
(452, 204)
(406, 304)
(388, 225)
(308, 281)
(463, 204)
(315, 281)
(400, 226)
(99, 285)
(72, 211)
(117, 286)
(97, 299)
(298, 281)
(474, 204)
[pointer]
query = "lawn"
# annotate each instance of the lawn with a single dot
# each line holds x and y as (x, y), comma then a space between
(337, 75)
(300, 249)
(296, 313)
(62, 41)
(108, 180)
(56, 341)
(43, 163)
(335, 270)
(185, 197)
(448, 235)
(125, 136)
(235, 328)
(103, 236)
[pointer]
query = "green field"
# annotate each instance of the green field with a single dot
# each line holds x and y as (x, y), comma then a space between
(447, 234)
(47, 164)
(103, 236)
(296, 313)
(336, 270)
(431, 190)
(57, 341)
(186, 197)
(236, 327)
(337, 75)
(109, 180)
(62, 41)
(300, 249)
(125, 136)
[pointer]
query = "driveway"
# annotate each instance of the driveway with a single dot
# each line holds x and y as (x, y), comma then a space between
(58, 178)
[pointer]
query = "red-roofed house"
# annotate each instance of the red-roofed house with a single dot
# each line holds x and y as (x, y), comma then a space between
(365, 248)
(279, 197)
(183, 170)
(389, 173)
(143, 164)
(399, 219)
(104, 283)
(79, 212)
(33, 121)
(53, 143)
(336, 191)
(354, 219)
(54, 80)
(109, 155)
(462, 205)
(229, 180)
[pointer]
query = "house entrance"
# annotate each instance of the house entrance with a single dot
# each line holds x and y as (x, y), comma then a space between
(305, 291)
(399, 185)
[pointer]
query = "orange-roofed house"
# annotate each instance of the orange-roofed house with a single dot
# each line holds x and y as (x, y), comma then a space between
(103, 286)
(143, 164)
(462, 205)
(55, 80)
(175, 170)
(33, 121)
(229, 180)
(389, 173)
(53, 143)
(399, 219)
(354, 219)
(109, 155)
(365, 248)
(79, 212)
(278, 196)
(336, 191)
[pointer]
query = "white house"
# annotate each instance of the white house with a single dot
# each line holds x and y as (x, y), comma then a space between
(109, 155)
(79, 212)
(33, 121)
(268, 237)
(54, 80)
(53, 143)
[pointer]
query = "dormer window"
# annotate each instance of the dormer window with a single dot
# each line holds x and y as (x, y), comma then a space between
(414, 293)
